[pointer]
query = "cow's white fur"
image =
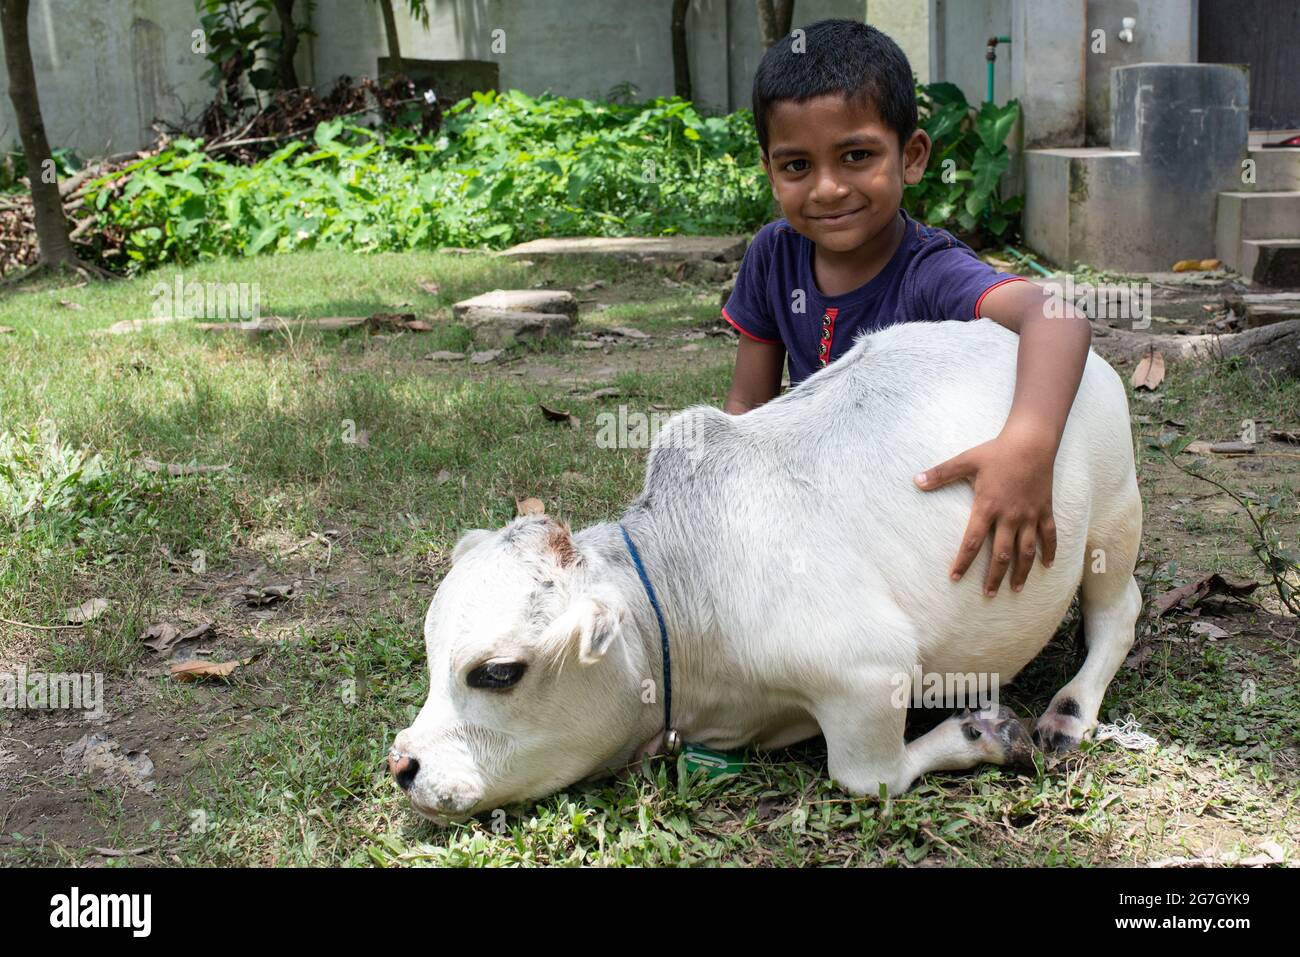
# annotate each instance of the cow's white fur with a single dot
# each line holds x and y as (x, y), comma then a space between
(799, 570)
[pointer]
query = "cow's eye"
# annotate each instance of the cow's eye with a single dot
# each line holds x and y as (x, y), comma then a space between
(496, 675)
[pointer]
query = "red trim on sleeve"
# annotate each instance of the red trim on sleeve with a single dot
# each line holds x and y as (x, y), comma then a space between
(744, 331)
(1002, 282)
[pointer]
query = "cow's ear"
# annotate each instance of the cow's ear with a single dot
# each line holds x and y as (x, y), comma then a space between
(468, 542)
(590, 625)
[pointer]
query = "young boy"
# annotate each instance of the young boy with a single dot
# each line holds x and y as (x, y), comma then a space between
(837, 126)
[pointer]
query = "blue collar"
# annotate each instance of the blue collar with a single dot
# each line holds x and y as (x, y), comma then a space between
(663, 633)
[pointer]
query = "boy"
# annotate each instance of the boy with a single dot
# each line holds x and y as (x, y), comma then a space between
(837, 126)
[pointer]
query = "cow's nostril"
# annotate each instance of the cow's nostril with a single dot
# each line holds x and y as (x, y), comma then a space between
(404, 768)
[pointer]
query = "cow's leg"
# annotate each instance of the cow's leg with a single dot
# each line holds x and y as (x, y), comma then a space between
(865, 745)
(1112, 602)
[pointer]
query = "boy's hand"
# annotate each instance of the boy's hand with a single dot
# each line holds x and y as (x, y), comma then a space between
(1012, 478)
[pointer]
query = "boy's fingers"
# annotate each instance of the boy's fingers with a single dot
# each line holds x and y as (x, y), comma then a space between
(1004, 549)
(1026, 549)
(1047, 533)
(977, 529)
(940, 475)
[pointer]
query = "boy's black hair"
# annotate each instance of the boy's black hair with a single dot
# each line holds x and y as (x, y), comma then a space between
(852, 59)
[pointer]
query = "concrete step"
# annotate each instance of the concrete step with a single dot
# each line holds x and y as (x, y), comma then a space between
(1271, 262)
(1266, 214)
(1275, 170)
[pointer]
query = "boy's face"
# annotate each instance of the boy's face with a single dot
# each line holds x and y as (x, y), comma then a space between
(837, 170)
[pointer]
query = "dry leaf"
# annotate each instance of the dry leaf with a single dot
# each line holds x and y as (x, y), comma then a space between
(529, 506)
(444, 475)
(193, 670)
(1284, 435)
(1150, 372)
(559, 415)
(1195, 591)
(431, 288)
(7, 330)
(445, 356)
(484, 357)
(69, 304)
(160, 637)
(630, 333)
(86, 611)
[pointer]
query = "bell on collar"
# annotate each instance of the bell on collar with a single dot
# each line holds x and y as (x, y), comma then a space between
(672, 741)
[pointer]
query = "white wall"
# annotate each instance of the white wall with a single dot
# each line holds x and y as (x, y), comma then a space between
(106, 68)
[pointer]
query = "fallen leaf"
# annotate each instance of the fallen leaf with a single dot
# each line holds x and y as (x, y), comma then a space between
(484, 357)
(1284, 435)
(445, 356)
(193, 670)
(7, 330)
(1150, 372)
(559, 415)
(160, 637)
(1196, 591)
(267, 594)
(444, 475)
(629, 333)
(69, 304)
(86, 611)
(430, 288)
(1209, 629)
(164, 636)
(529, 506)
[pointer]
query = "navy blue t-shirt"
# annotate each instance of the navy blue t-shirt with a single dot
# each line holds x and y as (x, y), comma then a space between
(931, 277)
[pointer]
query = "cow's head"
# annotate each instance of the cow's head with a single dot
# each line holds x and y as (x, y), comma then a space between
(533, 681)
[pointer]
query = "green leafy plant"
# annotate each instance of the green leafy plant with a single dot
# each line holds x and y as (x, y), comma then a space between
(508, 167)
(967, 161)
(66, 491)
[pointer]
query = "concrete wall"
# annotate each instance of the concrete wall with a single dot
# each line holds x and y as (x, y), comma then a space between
(1165, 33)
(959, 31)
(908, 23)
(106, 69)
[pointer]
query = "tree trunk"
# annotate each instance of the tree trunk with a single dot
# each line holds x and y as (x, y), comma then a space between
(390, 32)
(681, 64)
(774, 19)
(51, 225)
(288, 74)
(1274, 349)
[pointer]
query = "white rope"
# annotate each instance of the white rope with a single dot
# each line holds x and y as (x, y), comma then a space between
(1128, 734)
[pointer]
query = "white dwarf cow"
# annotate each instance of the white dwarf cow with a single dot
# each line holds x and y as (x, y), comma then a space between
(798, 572)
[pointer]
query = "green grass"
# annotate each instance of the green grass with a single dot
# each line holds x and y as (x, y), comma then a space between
(283, 764)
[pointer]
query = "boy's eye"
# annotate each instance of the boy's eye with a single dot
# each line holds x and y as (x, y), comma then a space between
(857, 156)
(794, 166)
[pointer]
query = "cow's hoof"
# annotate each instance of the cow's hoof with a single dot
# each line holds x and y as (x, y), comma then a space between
(1061, 728)
(1002, 736)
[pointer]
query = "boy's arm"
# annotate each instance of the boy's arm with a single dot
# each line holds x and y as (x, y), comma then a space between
(1012, 474)
(757, 377)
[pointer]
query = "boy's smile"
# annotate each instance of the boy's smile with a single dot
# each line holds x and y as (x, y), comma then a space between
(838, 171)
